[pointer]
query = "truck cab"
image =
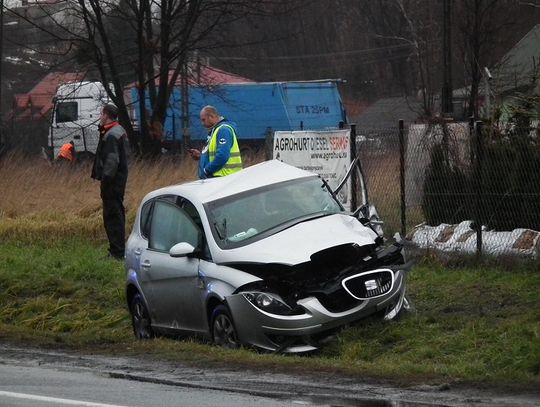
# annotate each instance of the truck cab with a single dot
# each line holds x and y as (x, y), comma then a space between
(76, 112)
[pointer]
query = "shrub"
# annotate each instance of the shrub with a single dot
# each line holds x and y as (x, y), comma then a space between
(511, 174)
(445, 190)
(510, 191)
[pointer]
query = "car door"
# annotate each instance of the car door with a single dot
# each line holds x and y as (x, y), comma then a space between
(173, 284)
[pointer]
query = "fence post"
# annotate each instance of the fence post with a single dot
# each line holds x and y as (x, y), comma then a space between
(51, 137)
(354, 175)
(402, 178)
(84, 138)
(478, 175)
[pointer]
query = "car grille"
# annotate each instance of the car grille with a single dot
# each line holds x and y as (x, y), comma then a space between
(369, 285)
(338, 301)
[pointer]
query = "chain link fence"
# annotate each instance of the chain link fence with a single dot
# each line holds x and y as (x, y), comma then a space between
(443, 181)
(26, 136)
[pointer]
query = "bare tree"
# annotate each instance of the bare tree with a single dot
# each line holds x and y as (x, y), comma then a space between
(165, 32)
(408, 28)
(157, 39)
(484, 29)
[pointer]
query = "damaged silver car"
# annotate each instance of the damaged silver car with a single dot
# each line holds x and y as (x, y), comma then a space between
(266, 257)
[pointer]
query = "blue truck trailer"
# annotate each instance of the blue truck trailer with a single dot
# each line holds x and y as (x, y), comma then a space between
(257, 108)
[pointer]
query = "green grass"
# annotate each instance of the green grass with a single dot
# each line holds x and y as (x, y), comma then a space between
(474, 325)
(58, 291)
(468, 325)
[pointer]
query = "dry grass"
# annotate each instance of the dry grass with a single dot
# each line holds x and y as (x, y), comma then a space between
(382, 178)
(43, 200)
(57, 201)
(33, 186)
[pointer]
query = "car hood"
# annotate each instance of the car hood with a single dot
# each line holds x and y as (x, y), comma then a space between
(296, 244)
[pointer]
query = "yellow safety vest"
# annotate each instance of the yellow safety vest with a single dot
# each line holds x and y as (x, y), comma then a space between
(234, 163)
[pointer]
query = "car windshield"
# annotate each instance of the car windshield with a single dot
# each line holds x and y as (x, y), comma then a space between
(241, 217)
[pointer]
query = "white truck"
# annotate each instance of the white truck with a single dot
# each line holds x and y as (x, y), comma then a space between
(76, 112)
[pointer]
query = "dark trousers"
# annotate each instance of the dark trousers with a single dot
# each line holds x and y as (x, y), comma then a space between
(114, 220)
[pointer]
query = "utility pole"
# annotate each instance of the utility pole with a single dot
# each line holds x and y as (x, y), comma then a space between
(1, 61)
(487, 97)
(447, 89)
(185, 107)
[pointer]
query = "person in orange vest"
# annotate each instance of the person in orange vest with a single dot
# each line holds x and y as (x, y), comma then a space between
(67, 152)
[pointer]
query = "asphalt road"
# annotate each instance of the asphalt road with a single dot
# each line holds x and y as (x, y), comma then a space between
(45, 378)
(39, 386)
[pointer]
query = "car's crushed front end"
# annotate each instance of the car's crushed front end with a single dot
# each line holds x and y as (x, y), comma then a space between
(296, 308)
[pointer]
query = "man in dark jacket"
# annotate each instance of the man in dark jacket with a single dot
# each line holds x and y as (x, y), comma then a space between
(110, 167)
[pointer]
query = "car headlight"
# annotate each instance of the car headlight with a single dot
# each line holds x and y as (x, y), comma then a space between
(269, 303)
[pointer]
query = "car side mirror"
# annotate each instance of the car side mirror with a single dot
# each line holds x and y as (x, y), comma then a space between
(181, 249)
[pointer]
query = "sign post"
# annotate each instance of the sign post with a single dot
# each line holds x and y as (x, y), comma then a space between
(354, 175)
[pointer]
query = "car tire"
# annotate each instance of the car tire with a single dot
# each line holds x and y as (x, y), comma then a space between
(222, 328)
(140, 318)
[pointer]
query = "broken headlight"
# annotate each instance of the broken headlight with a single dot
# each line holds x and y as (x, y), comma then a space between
(269, 303)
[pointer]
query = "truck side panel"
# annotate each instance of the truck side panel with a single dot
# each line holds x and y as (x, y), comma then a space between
(257, 108)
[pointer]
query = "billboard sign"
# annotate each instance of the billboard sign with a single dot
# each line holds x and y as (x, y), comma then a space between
(326, 153)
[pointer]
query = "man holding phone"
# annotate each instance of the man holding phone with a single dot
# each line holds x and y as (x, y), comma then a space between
(221, 155)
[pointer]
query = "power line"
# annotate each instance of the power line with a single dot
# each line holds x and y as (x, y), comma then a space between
(1, 60)
(321, 55)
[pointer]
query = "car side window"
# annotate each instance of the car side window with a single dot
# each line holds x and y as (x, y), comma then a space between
(145, 219)
(193, 213)
(171, 225)
(146, 214)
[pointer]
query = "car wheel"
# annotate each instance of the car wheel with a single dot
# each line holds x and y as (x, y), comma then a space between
(223, 330)
(140, 319)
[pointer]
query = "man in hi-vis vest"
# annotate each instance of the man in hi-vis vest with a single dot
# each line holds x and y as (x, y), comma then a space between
(221, 155)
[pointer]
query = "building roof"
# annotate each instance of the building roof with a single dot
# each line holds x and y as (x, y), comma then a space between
(516, 67)
(386, 113)
(205, 76)
(37, 103)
